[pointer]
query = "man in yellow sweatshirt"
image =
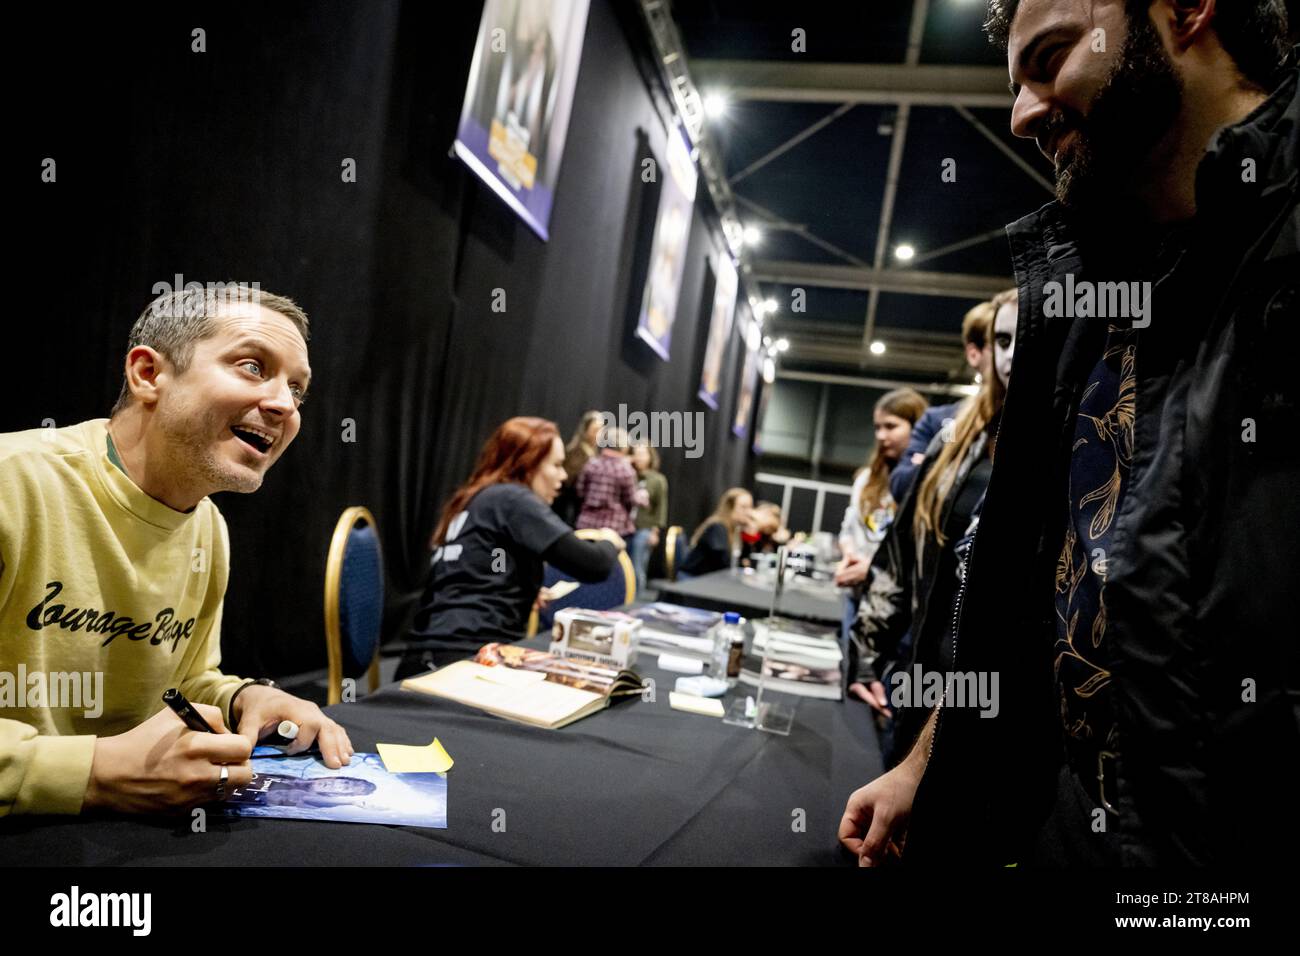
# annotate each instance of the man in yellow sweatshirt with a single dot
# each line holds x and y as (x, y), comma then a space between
(114, 563)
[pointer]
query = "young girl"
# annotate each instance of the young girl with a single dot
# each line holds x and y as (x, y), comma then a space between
(871, 506)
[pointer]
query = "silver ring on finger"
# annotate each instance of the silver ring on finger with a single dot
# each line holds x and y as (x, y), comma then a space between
(221, 782)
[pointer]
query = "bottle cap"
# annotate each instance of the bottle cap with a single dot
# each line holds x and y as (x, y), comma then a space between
(731, 617)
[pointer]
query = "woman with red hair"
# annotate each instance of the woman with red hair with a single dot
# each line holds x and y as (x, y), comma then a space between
(495, 533)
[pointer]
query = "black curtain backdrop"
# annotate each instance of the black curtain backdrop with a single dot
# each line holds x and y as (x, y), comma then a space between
(226, 165)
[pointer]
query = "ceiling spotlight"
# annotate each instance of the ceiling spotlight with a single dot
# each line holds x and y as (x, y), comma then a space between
(904, 252)
(877, 347)
(753, 235)
(782, 345)
(769, 371)
(715, 104)
(769, 306)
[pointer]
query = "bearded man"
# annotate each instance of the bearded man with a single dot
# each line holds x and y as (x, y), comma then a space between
(1131, 577)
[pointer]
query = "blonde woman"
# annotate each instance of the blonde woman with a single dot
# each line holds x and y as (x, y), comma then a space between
(718, 536)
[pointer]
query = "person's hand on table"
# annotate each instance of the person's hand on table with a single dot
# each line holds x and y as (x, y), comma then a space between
(161, 764)
(259, 710)
(873, 694)
(852, 571)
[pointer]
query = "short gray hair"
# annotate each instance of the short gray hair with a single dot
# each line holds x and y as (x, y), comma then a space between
(173, 322)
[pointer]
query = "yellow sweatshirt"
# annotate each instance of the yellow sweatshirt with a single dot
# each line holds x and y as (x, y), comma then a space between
(107, 598)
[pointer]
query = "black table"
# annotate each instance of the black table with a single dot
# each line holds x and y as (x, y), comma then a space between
(729, 590)
(638, 783)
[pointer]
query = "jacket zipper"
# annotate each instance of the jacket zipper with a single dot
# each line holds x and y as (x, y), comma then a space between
(956, 616)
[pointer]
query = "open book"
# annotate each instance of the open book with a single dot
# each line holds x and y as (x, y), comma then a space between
(528, 685)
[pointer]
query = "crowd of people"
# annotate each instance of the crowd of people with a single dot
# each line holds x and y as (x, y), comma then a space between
(1135, 536)
(1132, 499)
(524, 502)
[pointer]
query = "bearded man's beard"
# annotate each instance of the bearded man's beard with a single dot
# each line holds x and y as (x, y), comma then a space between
(1135, 107)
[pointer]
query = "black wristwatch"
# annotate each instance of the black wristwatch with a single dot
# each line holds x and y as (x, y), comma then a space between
(230, 707)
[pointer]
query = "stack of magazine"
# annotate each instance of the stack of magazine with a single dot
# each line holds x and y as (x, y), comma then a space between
(528, 685)
(795, 658)
(674, 629)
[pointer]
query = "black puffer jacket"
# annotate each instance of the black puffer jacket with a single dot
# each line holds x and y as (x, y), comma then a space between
(1201, 581)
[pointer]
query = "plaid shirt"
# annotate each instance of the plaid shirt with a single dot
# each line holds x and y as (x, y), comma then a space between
(607, 486)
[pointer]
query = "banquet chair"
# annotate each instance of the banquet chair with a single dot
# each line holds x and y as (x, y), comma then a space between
(618, 588)
(354, 601)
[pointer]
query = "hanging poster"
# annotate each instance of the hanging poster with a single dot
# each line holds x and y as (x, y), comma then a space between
(724, 307)
(753, 340)
(517, 104)
(668, 247)
(760, 419)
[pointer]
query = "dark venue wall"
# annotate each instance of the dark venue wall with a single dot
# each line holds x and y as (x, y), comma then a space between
(226, 165)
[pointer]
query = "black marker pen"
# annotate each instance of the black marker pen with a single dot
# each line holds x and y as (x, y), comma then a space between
(186, 711)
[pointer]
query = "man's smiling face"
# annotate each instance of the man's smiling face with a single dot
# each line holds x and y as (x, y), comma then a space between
(234, 410)
(1095, 92)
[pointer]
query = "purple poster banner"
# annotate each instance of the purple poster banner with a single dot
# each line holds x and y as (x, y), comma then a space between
(668, 248)
(518, 101)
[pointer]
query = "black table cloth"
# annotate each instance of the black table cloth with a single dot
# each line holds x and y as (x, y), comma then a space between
(638, 783)
(729, 590)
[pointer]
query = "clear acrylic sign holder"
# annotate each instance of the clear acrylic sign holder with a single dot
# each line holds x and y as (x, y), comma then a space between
(767, 710)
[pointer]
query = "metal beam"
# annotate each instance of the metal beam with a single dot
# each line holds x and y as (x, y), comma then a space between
(791, 143)
(1003, 148)
(916, 31)
(845, 354)
(798, 230)
(919, 85)
(1001, 231)
(823, 343)
(819, 430)
(910, 281)
(861, 381)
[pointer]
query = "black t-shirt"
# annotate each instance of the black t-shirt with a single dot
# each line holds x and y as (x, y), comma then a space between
(484, 578)
(711, 553)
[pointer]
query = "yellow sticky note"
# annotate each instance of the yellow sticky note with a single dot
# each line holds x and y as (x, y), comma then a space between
(402, 758)
(706, 706)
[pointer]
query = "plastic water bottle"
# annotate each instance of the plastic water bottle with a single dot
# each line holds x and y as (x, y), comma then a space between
(727, 634)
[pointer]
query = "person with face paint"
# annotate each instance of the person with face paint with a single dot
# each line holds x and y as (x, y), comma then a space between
(904, 615)
(1130, 579)
(979, 356)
